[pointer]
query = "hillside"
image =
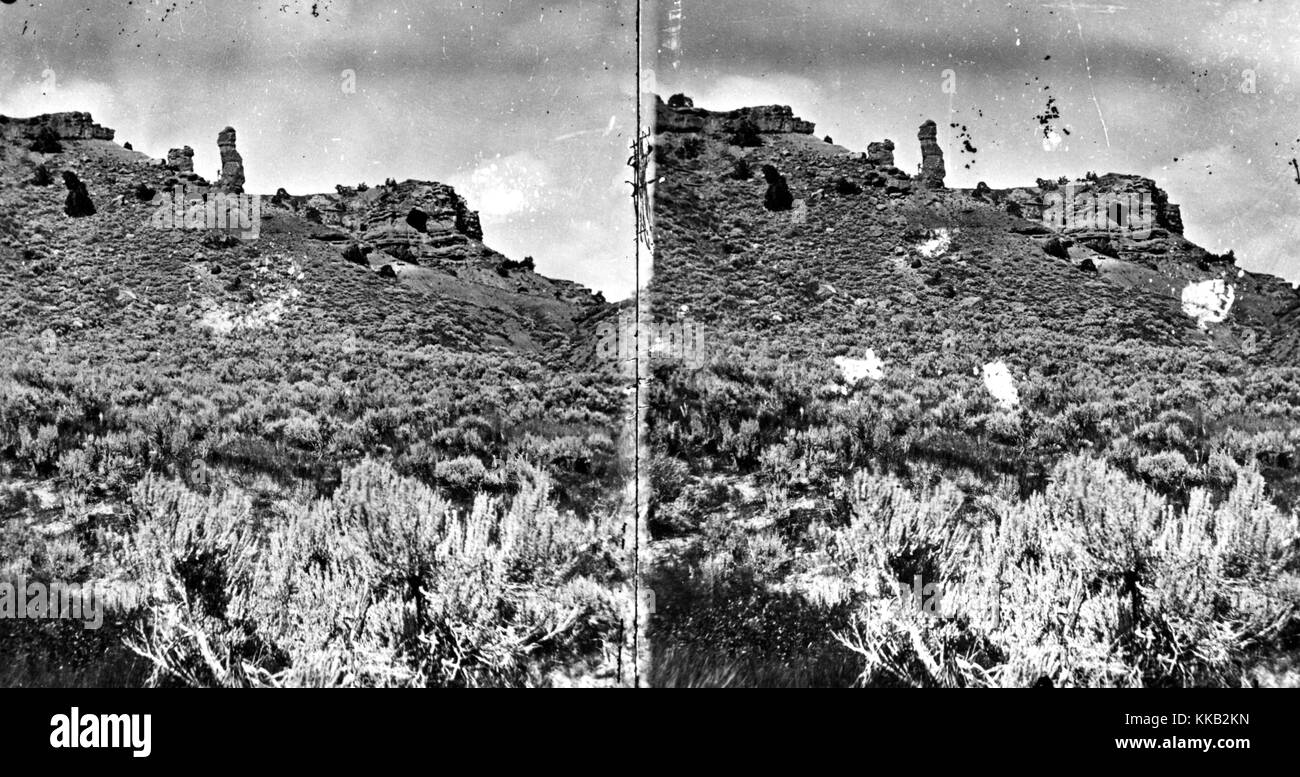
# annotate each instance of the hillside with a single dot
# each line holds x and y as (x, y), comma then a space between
(970, 357)
(361, 352)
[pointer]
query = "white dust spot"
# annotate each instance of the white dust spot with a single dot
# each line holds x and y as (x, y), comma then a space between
(1208, 301)
(507, 186)
(855, 370)
(224, 319)
(937, 245)
(998, 380)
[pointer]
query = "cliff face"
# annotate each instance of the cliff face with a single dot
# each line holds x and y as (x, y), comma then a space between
(1110, 203)
(67, 126)
(396, 248)
(768, 119)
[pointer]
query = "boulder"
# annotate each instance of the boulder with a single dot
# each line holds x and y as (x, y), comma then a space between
(181, 159)
(778, 196)
(1057, 247)
(78, 203)
(356, 254)
(881, 154)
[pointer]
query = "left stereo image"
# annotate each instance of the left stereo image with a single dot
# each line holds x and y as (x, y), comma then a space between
(301, 313)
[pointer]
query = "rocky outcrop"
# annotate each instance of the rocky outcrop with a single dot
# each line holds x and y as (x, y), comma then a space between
(932, 169)
(778, 195)
(881, 154)
(78, 203)
(1109, 203)
(421, 222)
(232, 164)
(766, 119)
(181, 159)
(75, 125)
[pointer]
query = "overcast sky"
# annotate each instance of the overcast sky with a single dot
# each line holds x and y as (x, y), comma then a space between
(524, 107)
(1152, 87)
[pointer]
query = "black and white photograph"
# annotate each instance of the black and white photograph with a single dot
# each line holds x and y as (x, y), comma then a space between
(994, 374)
(639, 344)
(300, 374)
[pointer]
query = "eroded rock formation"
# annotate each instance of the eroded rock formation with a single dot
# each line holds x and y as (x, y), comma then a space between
(181, 159)
(932, 169)
(881, 154)
(765, 118)
(232, 164)
(420, 222)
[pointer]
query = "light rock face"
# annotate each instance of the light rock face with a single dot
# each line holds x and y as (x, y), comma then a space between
(767, 118)
(881, 154)
(73, 125)
(181, 159)
(932, 169)
(1209, 302)
(1000, 384)
(232, 164)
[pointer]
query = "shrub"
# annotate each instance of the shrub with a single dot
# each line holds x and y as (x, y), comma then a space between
(46, 141)
(1097, 581)
(746, 135)
(1167, 469)
(462, 476)
(385, 583)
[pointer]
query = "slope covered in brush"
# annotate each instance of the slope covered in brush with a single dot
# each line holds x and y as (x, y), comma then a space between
(265, 365)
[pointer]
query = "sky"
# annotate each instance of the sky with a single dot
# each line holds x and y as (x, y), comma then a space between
(1200, 96)
(527, 108)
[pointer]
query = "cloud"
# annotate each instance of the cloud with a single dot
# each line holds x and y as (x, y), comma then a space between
(507, 186)
(50, 94)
